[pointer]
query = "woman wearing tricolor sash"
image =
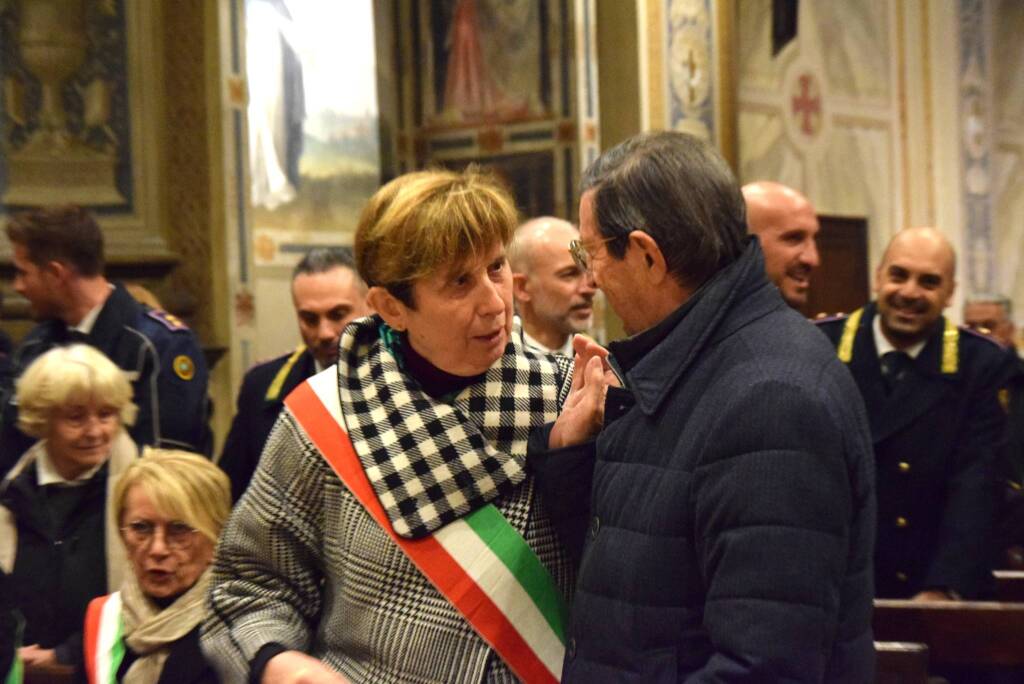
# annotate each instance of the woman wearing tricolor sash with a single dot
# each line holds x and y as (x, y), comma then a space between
(392, 532)
(170, 507)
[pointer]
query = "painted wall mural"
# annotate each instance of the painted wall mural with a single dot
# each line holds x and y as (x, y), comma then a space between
(489, 64)
(504, 84)
(65, 108)
(691, 71)
(975, 142)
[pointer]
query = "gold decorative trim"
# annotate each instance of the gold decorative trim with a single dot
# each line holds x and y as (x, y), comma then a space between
(655, 35)
(901, 90)
(950, 348)
(860, 121)
(849, 332)
(926, 97)
(726, 111)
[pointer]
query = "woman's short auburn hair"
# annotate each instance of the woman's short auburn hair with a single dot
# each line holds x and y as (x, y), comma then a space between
(181, 486)
(68, 375)
(426, 221)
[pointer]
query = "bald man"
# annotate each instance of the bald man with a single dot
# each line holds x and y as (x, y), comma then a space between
(553, 296)
(786, 224)
(931, 392)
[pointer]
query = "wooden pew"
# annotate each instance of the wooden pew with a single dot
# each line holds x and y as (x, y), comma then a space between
(49, 674)
(985, 634)
(899, 662)
(1009, 585)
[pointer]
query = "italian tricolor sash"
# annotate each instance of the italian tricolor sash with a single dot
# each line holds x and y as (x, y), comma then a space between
(104, 647)
(479, 562)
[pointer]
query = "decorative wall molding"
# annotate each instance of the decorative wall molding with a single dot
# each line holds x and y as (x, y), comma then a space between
(82, 118)
(975, 88)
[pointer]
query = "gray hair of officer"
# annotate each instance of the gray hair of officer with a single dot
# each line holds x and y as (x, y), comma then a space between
(676, 188)
(991, 298)
(323, 259)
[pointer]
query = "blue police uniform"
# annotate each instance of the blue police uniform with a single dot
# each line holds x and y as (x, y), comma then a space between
(936, 435)
(159, 355)
(260, 401)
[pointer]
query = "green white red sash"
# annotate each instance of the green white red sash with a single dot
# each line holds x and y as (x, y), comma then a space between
(479, 562)
(104, 647)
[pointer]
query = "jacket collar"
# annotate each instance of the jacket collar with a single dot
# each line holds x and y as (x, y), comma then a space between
(926, 385)
(735, 296)
(304, 367)
(118, 310)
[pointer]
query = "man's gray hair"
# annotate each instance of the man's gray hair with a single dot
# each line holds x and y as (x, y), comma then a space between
(676, 188)
(991, 298)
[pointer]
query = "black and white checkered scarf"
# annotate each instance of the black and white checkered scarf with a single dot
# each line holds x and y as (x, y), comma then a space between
(431, 462)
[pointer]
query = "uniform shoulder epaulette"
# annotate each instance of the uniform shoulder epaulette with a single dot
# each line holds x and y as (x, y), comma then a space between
(168, 320)
(274, 390)
(983, 335)
(829, 318)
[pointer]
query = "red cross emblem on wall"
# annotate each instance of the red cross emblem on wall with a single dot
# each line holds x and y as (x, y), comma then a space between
(806, 104)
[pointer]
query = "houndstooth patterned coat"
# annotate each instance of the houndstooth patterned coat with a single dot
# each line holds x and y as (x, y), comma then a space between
(302, 564)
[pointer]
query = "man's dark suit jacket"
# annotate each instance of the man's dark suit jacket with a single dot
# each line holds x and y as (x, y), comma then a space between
(264, 389)
(936, 439)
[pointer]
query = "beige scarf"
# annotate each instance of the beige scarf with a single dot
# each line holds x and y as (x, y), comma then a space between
(149, 631)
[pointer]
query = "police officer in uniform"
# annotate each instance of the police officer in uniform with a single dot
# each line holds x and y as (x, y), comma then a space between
(931, 391)
(327, 293)
(58, 261)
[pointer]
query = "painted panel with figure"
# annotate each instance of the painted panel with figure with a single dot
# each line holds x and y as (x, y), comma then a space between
(314, 152)
(490, 62)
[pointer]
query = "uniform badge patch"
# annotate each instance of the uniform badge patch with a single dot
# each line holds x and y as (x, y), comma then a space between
(169, 321)
(183, 367)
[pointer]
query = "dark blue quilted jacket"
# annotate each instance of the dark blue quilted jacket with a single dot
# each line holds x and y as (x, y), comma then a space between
(726, 512)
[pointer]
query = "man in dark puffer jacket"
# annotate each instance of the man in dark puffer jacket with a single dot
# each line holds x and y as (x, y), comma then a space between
(723, 498)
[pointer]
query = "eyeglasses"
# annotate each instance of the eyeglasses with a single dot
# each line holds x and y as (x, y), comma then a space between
(177, 535)
(580, 256)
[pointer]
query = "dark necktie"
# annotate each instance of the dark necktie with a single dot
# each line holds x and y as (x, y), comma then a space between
(894, 369)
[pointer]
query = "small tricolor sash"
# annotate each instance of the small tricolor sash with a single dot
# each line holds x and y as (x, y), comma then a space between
(104, 647)
(479, 562)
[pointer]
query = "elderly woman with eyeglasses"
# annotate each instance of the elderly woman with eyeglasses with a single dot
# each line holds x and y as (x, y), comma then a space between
(56, 543)
(170, 507)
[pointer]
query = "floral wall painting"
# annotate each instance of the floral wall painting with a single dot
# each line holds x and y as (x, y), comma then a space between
(314, 151)
(64, 105)
(490, 61)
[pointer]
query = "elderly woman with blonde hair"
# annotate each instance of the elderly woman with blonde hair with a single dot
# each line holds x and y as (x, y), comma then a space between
(170, 507)
(56, 543)
(391, 532)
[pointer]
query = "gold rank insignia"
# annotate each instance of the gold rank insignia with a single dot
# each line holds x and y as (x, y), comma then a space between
(184, 368)
(1004, 400)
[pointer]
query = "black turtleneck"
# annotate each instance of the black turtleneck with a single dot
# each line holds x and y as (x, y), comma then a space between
(434, 381)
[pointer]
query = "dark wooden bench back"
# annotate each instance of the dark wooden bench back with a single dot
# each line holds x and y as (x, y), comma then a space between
(49, 674)
(900, 662)
(1010, 585)
(957, 633)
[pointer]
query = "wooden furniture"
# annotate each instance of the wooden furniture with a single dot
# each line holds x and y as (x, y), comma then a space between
(900, 662)
(49, 674)
(1009, 585)
(841, 283)
(983, 634)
